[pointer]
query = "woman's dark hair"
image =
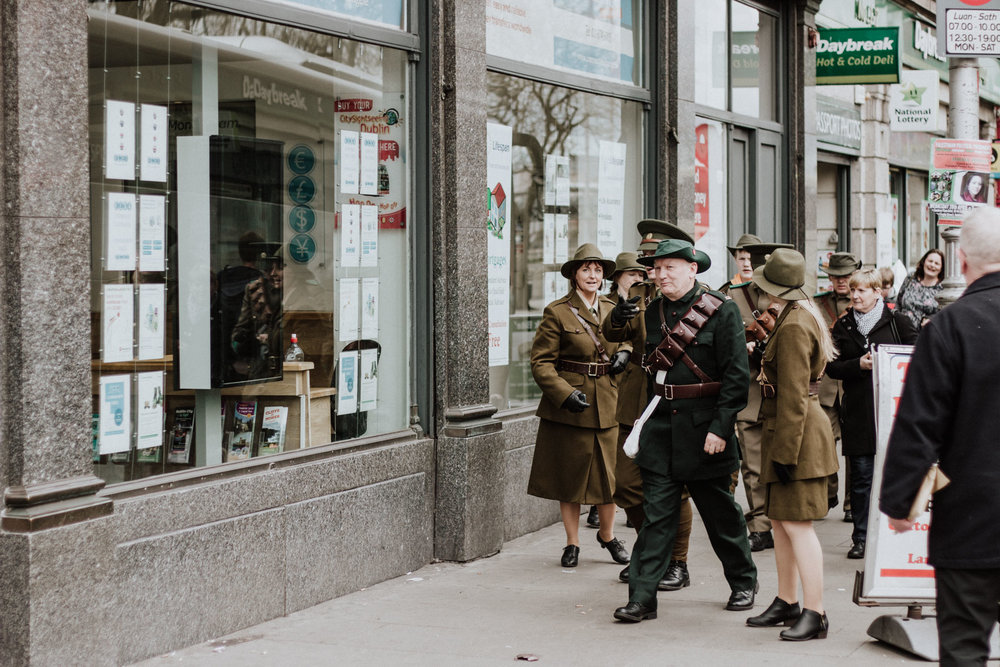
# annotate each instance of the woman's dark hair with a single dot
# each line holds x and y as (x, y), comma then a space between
(984, 181)
(918, 273)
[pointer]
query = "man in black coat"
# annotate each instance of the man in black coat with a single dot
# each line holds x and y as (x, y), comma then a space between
(867, 323)
(950, 411)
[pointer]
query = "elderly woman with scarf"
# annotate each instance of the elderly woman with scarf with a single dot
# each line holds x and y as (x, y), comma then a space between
(867, 323)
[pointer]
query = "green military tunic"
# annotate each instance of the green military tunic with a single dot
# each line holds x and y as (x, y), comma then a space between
(672, 447)
(574, 458)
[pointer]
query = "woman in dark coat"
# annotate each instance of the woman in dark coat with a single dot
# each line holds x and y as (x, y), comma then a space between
(867, 323)
(575, 449)
(797, 450)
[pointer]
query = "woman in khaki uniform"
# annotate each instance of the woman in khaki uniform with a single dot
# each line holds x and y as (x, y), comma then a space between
(574, 460)
(798, 451)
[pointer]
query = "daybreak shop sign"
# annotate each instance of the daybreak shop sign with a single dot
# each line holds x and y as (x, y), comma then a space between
(858, 55)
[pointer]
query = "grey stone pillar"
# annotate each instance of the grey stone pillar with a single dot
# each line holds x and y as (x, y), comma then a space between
(470, 478)
(49, 577)
(871, 185)
(800, 27)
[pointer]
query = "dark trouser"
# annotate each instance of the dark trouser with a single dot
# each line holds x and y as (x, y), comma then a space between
(861, 469)
(966, 613)
(683, 539)
(723, 520)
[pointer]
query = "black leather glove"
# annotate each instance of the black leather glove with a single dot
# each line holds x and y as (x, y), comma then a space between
(619, 361)
(576, 402)
(624, 311)
(784, 471)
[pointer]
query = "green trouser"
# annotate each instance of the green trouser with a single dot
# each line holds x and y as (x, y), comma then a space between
(723, 518)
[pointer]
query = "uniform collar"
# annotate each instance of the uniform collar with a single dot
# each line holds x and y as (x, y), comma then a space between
(576, 300)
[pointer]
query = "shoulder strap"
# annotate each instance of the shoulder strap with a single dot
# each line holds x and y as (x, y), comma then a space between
(590, 332)
(892, 325)
(676, 339)
(831, 310)
(745, 288)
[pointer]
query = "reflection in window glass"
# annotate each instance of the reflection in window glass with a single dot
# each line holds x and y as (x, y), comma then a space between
(600, 38)
(248, 182)
(566, 149)
(710, 47)
(752, 62)
(711, 198)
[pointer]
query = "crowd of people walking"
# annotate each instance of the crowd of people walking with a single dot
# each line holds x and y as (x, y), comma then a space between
(664, 391)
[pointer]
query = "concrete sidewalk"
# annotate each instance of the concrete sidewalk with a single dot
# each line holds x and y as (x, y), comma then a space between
(521, 602)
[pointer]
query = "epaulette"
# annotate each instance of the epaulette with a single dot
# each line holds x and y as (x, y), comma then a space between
(819, 294)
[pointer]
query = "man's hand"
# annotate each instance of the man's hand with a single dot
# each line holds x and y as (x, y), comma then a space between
(624, 311)
(714, 444)
(900, 525)
(619, 361)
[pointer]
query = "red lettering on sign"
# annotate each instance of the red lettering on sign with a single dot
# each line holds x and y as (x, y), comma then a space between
(354, 104)
(387, 150)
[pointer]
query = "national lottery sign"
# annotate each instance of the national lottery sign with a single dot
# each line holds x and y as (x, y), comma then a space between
(896, 568)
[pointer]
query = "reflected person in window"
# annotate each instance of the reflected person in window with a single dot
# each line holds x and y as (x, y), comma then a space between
(574, 365)
(257, 337)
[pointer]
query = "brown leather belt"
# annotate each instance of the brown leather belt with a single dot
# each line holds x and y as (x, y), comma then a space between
(770, 390)
(594, 370)
(673, 392)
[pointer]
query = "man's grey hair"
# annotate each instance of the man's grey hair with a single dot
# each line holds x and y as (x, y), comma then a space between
(980, 239)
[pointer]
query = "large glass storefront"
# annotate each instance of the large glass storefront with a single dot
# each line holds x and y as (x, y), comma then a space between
(249, 184)
(576, 140)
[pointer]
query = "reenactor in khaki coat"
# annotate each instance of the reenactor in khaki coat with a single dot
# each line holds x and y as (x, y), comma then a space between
(575, 367)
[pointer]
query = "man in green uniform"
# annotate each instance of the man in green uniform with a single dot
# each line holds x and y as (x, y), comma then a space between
(833, 305)
(689, 439)
(632, 400)
(749, 253)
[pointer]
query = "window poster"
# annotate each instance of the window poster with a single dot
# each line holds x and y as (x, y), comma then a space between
(369, 164)
(369, 308)
(369, 236)
(149, 418)
(115, 413)
(117, 320)
(959, 177)
(152, 233)
(368, 394)
(347, 383)
(121, 232)
(348, 309)
(562, 180)
(151, 320)
(562, 238)
(350, 162)
(119, 140)
(153, 143)
(555, 286)
(350, 235)
(549, 239)
(550, 180)
(610, 197)
(498, 177)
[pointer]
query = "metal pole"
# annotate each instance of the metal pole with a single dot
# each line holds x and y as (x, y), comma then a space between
(963, 123)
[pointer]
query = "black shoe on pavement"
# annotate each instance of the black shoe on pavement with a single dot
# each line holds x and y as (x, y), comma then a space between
(592, 520)
(617, 548)
(857, 550)
(571, 556)
(623, 575)
(848, 516)
(778, 613)
(676, 577)
(742, 600)
(761, 540)
(810, 625)
(634, 612)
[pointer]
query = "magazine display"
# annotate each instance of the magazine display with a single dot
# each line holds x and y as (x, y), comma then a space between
(272, 430)
(181, 436)
(240, 446)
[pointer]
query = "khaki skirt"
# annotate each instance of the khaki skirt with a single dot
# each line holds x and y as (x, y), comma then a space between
(798, 500)
(573, 464)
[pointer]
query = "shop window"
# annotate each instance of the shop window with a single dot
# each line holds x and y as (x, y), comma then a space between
(596, 39)
(736, 59)
(249, 182)
(575, 178)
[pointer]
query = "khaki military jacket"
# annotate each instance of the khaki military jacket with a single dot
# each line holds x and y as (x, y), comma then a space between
(632, 390)
(673, 439)
(740, 293)
(830, 390)
(560, 335)
(796, 430)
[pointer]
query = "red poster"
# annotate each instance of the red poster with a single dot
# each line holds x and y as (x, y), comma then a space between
(701, 219)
